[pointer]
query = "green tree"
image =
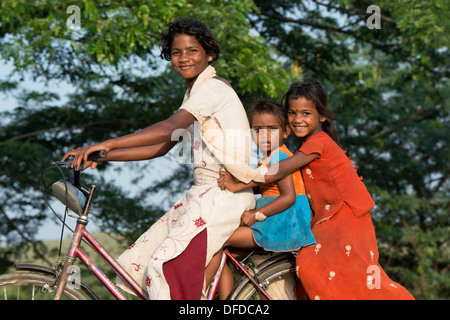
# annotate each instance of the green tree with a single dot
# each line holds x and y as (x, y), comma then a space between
(388, 86)
(120, 85)
(390, 90)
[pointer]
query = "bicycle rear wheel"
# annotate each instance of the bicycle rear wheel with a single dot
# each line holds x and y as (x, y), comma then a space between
(277, 279)
(33, 286)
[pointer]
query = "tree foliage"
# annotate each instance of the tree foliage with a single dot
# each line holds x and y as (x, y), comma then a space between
(389, 88)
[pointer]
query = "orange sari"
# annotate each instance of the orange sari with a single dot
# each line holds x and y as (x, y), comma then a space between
(344, 262)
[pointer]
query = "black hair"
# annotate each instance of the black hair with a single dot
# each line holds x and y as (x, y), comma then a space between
(190, 27)
(312, 90)
(269, 107)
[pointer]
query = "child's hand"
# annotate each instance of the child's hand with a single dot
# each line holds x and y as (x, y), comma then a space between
(248, 218)
(226, 181)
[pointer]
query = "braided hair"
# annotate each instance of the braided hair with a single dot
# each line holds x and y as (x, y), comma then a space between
(311, 90)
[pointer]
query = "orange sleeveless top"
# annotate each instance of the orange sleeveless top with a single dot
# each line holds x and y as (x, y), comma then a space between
(271, 189)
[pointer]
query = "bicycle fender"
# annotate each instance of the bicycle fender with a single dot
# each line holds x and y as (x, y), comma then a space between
(275, 258)
(34, 267)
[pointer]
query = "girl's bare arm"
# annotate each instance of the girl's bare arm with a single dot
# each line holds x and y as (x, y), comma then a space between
(140, 153)
(284, 200)
(286, 167)
(157, 134)
(130, 154)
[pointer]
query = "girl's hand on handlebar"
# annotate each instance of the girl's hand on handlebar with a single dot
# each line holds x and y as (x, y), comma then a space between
(81, 155)
(71, 153)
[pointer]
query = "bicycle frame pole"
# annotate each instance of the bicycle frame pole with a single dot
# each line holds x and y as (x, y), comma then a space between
(241, 269)
(75, 251)
(215, 281)
(70, 258)
(113, 264)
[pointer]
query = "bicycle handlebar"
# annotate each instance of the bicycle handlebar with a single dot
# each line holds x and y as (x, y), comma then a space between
(101, 154)
(75, 174)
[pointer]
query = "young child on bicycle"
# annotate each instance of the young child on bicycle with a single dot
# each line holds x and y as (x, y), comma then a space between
(281, 220)
(344, 262)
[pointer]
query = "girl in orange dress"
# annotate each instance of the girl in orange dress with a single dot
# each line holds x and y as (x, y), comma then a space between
(344, 262)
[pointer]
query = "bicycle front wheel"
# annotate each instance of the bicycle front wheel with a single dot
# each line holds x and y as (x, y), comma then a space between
(33, 286)
(277, 279)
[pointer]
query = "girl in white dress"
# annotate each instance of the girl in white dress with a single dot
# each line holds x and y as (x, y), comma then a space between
(170, 258)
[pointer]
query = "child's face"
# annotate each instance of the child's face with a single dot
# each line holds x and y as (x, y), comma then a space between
(189, 58)
(267, 132)
(303, 118)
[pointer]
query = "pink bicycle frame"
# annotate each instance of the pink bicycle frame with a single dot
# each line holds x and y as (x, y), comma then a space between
(75, 251)
(215, 281)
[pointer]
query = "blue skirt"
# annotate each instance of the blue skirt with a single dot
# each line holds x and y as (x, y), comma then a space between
(288, 230)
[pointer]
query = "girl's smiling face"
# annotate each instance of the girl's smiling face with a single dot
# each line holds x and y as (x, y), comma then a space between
(303, 118)
(267, 132)
(188, 57)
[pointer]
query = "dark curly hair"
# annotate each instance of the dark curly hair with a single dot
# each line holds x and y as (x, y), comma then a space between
(268, 107)
(190, 27)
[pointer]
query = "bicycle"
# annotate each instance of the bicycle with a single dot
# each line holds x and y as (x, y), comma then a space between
(270, 276)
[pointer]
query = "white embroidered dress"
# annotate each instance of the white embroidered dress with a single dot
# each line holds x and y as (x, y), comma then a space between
(221, 139)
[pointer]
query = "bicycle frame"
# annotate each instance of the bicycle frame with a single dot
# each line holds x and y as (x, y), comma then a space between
(76, 252)
(226, 255)
(81, 233)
